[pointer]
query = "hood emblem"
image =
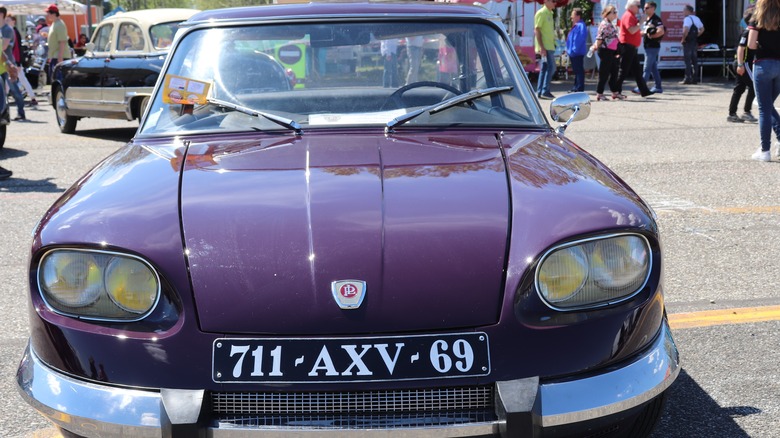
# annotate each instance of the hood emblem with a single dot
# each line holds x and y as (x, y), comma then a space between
(348, 294)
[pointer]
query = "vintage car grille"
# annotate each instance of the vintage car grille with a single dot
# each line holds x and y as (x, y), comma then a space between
(356, 409)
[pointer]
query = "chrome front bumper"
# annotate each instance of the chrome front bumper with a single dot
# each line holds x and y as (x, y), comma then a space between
(90, 409)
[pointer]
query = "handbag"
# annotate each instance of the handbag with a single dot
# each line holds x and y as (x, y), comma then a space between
(10, 68)
(13, 73)
(613, 45)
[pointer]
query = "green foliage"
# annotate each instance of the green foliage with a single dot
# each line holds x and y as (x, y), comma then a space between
(587, 13)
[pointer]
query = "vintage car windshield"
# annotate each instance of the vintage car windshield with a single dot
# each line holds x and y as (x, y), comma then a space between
(341, 74)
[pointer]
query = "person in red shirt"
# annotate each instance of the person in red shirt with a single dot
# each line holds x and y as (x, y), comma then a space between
(630, 39)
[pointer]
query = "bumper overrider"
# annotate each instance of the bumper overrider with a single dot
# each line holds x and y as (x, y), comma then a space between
(522, 407)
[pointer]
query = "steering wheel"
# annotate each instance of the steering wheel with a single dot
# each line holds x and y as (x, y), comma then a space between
(397, 100)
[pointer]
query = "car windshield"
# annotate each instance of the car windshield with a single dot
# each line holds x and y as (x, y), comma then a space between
(321, 75)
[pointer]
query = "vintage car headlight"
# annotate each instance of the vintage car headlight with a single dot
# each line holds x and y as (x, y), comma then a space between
(593, 272)
(98, 284)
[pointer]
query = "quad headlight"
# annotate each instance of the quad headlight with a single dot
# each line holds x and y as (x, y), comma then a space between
(98, 284)
(594, 272)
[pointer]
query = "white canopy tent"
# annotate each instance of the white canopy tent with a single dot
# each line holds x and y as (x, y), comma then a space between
(37, 7)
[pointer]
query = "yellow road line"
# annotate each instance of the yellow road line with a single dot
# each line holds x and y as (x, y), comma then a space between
(724, 316)
(750, 210)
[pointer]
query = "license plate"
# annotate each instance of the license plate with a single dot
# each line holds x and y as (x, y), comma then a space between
(364, 359)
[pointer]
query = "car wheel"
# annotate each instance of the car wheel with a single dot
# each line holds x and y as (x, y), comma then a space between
(67, 434)
(646, 419)
(637, 422)
(66, 123)
(142, 107)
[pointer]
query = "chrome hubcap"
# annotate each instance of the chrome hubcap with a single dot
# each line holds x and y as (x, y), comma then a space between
(61, 109)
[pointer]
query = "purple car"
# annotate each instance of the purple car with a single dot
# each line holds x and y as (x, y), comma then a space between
(349, 219)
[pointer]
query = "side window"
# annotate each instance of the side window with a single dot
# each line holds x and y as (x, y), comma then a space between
(162, 34)
(130, 38)
(102, 38)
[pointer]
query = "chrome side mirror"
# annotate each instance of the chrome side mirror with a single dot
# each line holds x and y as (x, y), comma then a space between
(90, 46)
(569, 108)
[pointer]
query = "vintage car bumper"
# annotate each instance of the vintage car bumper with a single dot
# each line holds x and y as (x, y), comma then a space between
(527, 405)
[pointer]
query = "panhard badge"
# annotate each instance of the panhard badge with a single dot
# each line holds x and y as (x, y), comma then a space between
(348, 294)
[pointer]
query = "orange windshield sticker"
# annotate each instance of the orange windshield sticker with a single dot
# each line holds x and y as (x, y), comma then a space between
(181, 90)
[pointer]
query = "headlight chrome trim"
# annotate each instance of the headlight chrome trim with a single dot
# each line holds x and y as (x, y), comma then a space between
(77, 316)
(650, 265)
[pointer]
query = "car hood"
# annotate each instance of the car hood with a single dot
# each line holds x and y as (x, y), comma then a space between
(269, 225)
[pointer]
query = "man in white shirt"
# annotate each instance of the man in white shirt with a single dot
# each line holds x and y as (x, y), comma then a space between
(692, 29)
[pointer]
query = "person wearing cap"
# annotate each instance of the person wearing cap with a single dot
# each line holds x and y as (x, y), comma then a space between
(40, 35)
(58, 37)
(40, 23)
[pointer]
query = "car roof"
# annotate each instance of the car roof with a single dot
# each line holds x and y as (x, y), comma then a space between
(341, 8)
(153, 16)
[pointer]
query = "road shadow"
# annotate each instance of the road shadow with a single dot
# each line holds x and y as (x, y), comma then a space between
(691, 413)
(31, 122)
(23, 185)
(123, 135)
(7, 152)
(713, 80)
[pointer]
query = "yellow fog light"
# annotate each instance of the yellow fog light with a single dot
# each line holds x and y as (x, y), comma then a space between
(131, 285)
(562, 274)
(73, 279)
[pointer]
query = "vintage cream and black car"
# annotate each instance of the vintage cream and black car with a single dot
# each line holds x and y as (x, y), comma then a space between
(117, 75)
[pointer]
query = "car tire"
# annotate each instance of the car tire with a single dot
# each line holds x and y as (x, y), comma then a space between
(142, 107)
(66, 123)
(67, 434)
(646, 419)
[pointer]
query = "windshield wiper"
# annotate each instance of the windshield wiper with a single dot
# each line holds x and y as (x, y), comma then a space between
(287, 123)
(445, 104)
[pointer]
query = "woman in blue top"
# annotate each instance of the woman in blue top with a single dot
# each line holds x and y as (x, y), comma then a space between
(576, 47)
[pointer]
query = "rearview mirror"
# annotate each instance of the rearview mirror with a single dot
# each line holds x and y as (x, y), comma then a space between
(570, 108)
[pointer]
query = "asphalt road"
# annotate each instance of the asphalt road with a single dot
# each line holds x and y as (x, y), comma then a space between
(719, 213)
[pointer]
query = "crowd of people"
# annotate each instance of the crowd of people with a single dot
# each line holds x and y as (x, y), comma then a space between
(50, 31)
(617, 42)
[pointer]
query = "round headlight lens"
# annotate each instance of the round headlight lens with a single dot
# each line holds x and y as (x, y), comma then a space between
(563, 274)
(73, 279)
(594, 272)
(619, 263)
(131, 285)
